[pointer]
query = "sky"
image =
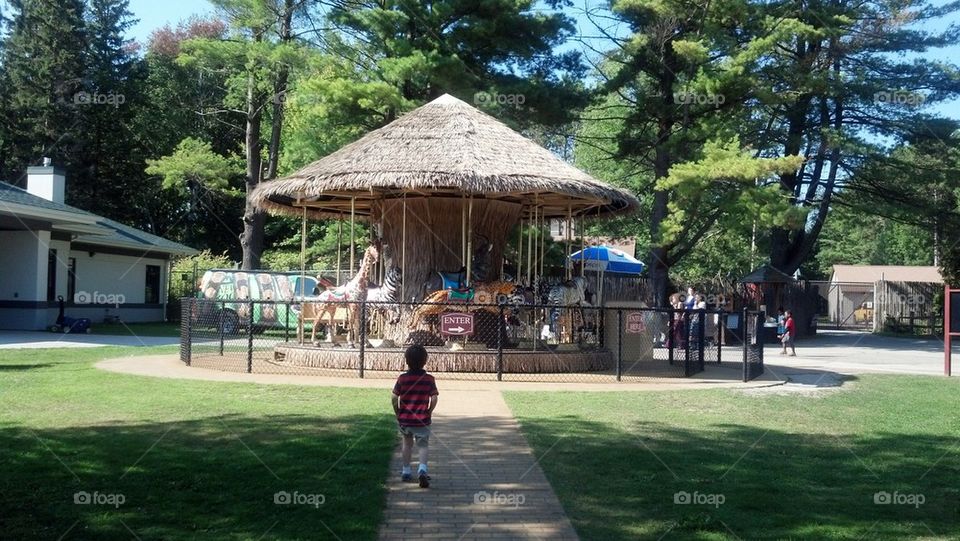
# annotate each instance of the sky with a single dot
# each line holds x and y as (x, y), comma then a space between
(153, 14)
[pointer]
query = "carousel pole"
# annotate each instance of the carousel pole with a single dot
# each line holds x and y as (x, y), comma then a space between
(403, 250)
(519, 269)
(353, 246)
(583, 246)
(469, 238)
(303, 250)
(530, 245)
(540, 246)
(599, 275)
(382, 260)
(568, 230)
(339, 246)
(463, 231)
(543, 247)
(303, 272)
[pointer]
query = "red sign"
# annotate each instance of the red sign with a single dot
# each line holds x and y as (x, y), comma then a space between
(635, 324)
(456, 324)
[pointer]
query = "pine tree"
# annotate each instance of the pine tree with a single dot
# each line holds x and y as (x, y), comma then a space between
(109, 175)
(43, 61)
(498, 53)
(682, 80)
(838, 93)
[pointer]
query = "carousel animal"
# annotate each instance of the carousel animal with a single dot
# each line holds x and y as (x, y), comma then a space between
(354, 291)
(386, 296)
(560, 298)
(480, 297)
(481, 263)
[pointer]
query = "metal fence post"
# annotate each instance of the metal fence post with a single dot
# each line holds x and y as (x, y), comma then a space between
(250, 338)
(687, 372)
(501, 331)
(186, 329)
(761, 318)
(701, 337)
(721, 323)
(671, 336)
(286, 321)
(601, 329)
(220, 331)
(363, 334)
(746, 344)
(619, 343)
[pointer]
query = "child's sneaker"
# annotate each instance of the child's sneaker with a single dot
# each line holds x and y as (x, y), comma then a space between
(406, 477)
(424, 480)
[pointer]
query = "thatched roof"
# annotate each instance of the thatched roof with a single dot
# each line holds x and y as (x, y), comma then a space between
(445, 148)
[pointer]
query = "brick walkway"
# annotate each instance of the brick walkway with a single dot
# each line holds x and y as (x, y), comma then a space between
(486, 483)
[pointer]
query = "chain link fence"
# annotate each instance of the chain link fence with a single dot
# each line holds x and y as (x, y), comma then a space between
(469, 340)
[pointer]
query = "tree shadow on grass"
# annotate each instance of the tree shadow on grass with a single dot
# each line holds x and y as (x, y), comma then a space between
(210, 478)
(632, 482)
(22, 367)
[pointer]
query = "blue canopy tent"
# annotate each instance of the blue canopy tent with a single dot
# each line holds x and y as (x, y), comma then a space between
(603, 259)
(606, 259)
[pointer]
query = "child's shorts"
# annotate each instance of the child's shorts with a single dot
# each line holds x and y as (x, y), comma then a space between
(421, 434)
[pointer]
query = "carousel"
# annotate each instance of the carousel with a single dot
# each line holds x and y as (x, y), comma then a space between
(458, 205)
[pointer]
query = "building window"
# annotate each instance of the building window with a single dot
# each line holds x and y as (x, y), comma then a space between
(152, 291)
(71, 278)
(51, 275)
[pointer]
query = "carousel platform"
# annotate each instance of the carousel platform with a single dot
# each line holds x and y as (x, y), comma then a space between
(444, 360)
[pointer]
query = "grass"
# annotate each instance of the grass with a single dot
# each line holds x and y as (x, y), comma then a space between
(191, 459)
(786, 466)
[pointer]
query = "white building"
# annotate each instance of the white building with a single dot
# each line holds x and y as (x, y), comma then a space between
(102, 269)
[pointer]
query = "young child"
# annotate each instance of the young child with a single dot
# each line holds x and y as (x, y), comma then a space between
(789, 332)
(414, 399)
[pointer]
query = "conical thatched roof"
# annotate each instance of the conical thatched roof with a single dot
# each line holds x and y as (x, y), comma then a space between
(444, 148)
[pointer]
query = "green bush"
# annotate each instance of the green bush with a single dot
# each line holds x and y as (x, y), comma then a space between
(187, 271)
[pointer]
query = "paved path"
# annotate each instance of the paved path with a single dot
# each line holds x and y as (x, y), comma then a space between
(851, 352)
(43, 339)
(486, 482)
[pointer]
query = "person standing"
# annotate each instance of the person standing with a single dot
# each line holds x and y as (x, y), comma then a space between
(691, 301)
(789, 333)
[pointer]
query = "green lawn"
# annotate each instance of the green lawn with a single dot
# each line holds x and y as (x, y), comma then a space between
(190, 459)
(784, 467)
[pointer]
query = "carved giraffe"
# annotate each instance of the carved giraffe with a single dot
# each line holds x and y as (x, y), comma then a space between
(349, 295)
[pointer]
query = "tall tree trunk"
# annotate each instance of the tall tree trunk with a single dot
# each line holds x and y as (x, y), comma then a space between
(659, 249)
(251, 240)
(279, 89)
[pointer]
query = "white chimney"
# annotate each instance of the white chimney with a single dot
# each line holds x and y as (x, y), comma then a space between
(46, 181)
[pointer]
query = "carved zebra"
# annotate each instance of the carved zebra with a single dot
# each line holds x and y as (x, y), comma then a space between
(386, 296)
(561, 298)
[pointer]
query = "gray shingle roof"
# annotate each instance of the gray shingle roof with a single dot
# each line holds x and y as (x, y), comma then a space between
(124, 235)
(118, 234)
(13, 194)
